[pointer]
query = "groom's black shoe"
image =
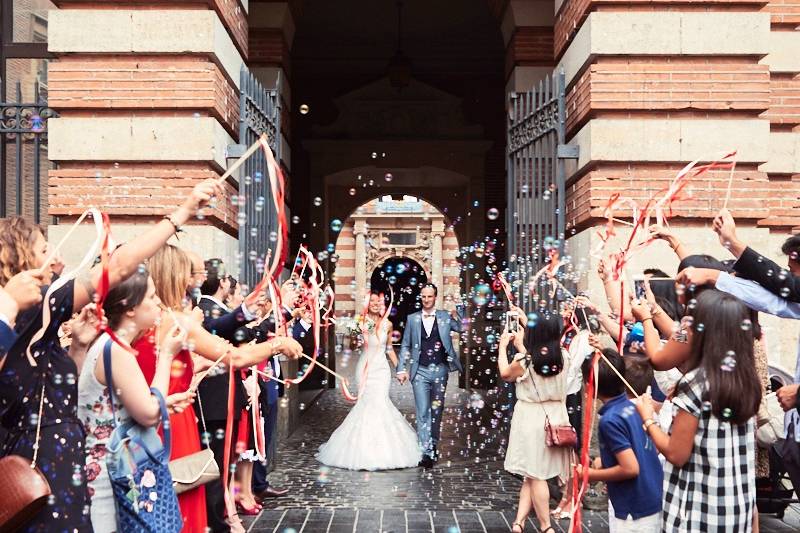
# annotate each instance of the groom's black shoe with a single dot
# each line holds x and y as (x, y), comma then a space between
(426, 462)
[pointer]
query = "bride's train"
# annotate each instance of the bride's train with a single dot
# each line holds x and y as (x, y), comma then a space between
(374, 435)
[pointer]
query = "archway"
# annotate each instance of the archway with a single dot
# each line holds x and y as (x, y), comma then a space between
(385, 229)
(406, 278)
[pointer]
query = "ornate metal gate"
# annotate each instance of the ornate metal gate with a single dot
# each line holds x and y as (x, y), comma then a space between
(260, 112)
(23, 152)
(535, 210)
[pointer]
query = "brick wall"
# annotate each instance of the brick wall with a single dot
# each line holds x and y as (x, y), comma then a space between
(183, 84)
(530, 46)
(146, 191)
(659, 85)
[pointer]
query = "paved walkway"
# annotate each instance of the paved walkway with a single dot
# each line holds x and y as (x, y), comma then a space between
(467, 491)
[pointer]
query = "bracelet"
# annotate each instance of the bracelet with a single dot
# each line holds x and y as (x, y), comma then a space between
(175, 225)
(647, 423)
(646, 319)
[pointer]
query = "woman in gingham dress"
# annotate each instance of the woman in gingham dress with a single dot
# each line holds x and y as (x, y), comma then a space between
(709, 478)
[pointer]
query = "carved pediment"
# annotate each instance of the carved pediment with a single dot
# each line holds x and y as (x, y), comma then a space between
(379, 111)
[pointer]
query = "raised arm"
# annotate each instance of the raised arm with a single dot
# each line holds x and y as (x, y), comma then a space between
(613, 289)
(213, 347)
(457, 316)
(752, 265)
(510, 372)
(127, 258)
(660, 232)
(676, 446)
(663, 357)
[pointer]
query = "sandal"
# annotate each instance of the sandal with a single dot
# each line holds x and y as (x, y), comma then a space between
(562, 514)
(549, 529)
(520, 525)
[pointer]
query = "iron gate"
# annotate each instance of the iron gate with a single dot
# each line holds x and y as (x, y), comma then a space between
(260, 112)
(23, 150)
(535, 207)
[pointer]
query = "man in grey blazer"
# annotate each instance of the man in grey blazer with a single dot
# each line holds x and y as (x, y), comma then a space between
(428, 350)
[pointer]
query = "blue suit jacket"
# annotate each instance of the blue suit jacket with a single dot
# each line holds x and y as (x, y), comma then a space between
(412, 340)
(7, 338)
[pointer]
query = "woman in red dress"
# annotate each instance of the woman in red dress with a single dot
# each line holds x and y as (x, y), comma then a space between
(171, 271)
(185, 439)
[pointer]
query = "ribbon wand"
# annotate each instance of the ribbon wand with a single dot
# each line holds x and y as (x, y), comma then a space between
(245, 156)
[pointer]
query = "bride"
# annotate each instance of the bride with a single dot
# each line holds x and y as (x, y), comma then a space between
(375, 435)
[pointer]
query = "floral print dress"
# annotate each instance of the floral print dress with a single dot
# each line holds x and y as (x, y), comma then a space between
(94, 410)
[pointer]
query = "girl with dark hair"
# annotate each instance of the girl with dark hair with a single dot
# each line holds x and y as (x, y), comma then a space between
(709, 481)
(131, 309)
(52, 382)
(541, 387)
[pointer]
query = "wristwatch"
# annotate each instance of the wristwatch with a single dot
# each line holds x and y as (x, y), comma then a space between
(647, 423)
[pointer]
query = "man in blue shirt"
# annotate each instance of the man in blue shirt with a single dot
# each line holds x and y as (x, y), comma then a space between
(628, 458)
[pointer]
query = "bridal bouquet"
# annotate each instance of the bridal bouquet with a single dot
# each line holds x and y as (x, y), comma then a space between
(361, 323)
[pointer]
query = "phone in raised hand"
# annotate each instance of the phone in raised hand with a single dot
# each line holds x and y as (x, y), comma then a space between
(512, 321)
(639, 290)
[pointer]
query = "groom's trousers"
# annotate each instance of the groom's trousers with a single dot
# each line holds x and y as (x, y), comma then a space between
(429, 386)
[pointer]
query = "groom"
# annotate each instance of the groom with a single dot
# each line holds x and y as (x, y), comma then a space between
(428, 346)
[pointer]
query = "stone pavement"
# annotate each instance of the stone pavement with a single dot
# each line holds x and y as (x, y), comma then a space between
(467, 491)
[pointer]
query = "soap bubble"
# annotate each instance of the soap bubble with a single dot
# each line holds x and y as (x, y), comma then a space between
(492, 214)
(304, 109)
(336, 225)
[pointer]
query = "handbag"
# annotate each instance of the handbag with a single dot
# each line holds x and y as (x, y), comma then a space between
(199, 468)
(25, 490)
(563, 436)
(138, 467)
(559, 436)
(769, 421)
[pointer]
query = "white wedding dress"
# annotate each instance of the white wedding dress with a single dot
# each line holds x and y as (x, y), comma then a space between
(374, 435)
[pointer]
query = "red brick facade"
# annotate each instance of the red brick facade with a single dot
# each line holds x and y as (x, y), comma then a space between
(658, 85)
(182, 84)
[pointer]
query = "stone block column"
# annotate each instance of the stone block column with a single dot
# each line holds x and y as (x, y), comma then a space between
(148, 97)
(360, 231)
(649, 90)
(437, 259)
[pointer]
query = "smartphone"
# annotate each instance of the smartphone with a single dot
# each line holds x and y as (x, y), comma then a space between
(512, 322)
(638, 288)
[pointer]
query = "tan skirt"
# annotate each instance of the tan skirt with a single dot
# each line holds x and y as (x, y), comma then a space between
(527, 454)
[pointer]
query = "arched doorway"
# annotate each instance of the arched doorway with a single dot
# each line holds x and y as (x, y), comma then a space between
(406, 278)
(386, 232)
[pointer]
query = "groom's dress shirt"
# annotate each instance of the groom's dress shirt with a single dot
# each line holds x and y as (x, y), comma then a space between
(427, 321)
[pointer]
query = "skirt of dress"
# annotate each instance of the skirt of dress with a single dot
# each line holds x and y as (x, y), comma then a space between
(527, 454)
(373, 436)
(186, 441)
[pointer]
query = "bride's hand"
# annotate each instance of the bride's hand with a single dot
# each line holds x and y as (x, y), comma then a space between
(402, 377)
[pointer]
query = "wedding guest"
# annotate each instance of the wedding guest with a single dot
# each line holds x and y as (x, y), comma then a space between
(628, 461)
(537, 370)
(171, 271)
(235, 297)
(715, 404)
(52, 383)
(131, 309)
